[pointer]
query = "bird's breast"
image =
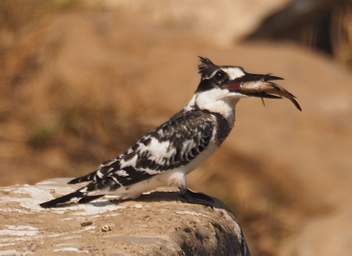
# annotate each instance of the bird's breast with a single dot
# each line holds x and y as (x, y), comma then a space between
(223, 128)
(200, 158)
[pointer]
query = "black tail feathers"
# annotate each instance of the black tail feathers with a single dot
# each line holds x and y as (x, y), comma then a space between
(80, 179)
(63, 199)
(87, 199)
(84, 178)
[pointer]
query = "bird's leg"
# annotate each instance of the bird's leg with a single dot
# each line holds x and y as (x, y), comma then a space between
(191, 196)
(179, 179)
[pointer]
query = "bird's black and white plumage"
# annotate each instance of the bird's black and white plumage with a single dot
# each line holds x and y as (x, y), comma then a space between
(166, 154)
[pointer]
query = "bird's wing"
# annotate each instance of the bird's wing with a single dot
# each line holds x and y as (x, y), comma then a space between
(173, 144)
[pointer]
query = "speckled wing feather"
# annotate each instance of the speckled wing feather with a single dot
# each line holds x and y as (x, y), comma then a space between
(173, 144)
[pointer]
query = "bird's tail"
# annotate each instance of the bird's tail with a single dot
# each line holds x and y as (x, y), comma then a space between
(81, 195)
(63, 199)
(85, 178)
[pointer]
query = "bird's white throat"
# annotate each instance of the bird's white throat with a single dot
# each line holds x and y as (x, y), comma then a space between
(215, 100)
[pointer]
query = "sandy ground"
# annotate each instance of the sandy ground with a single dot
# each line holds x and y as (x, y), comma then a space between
(81, 86)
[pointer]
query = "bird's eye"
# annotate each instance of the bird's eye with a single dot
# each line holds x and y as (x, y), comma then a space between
(220, 75)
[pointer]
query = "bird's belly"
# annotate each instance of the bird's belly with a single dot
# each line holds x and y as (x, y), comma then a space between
(204, 155)
(135, 190)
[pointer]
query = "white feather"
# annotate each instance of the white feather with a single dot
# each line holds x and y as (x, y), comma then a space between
(234, 72)
(219, 101)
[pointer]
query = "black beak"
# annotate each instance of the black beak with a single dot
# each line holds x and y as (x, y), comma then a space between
(259, 85)
(249, 77)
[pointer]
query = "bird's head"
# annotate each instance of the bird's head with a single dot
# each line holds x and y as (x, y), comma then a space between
(232, 83)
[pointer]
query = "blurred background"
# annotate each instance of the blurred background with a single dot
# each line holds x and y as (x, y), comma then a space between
(81, 80)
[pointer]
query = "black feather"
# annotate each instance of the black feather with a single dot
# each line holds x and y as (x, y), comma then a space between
(206, 67)
(88, 199)
(85, 178)
(61, 200)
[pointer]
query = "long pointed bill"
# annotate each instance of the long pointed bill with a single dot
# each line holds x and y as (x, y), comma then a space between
(257, 85)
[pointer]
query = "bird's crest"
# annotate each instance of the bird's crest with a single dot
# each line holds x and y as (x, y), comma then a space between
(206, 67)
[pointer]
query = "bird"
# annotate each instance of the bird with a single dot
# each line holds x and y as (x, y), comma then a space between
(166, 154)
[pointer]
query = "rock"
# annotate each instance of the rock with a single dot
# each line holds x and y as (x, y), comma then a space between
(158, 223)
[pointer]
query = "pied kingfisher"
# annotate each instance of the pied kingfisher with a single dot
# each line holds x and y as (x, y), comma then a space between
(166, 154)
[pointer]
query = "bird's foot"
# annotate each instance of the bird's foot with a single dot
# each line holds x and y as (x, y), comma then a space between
(196, 198)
